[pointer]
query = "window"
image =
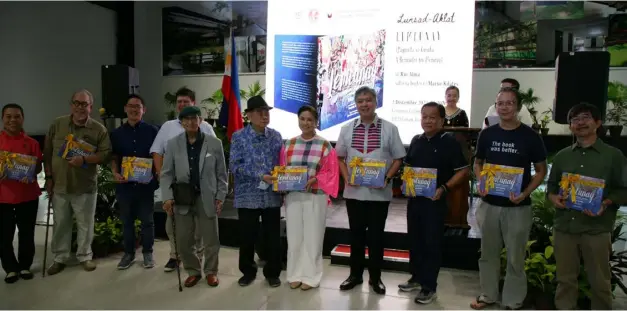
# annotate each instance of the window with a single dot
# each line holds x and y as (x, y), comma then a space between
(518, 34)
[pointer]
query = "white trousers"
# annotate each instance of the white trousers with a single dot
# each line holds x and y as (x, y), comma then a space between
(306, 215)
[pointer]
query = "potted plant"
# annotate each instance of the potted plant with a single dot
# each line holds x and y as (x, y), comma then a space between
(616, 116)
(529, 100)
(170, 102)
(213, 104)
(544, 122)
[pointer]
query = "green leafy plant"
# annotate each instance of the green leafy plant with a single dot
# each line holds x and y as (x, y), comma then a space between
(529, 100)
(617, 97)
(254, 89)
(170, 102)
(546, 118)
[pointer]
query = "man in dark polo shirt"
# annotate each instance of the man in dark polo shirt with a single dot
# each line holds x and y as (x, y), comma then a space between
(133, 139)
(425, 216)
(586, 234)
(502, 220)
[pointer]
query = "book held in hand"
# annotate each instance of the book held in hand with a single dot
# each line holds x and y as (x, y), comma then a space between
(582, 192)
(73, 147)
(289, 178)
(366, 172)
(19, 167)
(501, 180)
(137, 169)
(419, 182)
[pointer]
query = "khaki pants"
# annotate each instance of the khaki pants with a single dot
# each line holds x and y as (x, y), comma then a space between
(66, 208)
(595, 250)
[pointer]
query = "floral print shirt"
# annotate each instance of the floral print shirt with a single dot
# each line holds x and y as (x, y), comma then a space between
(253, 155)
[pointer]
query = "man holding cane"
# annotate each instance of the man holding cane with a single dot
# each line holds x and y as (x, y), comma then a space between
(194, 179)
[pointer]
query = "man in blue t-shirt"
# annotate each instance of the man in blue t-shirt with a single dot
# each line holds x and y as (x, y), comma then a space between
(507, 219)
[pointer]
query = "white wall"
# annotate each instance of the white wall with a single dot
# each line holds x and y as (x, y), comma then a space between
(50, 50)
(485, 81)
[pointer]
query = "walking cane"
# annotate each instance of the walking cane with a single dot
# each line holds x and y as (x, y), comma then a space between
(43, 272)
(176, 250)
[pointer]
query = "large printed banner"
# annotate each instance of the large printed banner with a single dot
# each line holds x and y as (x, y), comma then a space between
(409, 52)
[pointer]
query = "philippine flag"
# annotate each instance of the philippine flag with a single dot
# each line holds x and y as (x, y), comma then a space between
(230, 113)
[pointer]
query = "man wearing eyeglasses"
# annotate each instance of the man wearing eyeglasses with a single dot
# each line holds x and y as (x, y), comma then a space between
(71, 180)
(585, 233)
(506, 220)
(133, 139)
(523, 115)
(170, 129)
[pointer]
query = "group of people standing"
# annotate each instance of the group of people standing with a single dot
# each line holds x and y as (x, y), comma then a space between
(191, 169)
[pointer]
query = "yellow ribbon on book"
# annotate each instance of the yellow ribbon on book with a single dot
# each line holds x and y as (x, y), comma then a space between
(568, 181)
(490, 170)
(6, 161)
(129, 165)
(409, 175)
(357, 162)
(70, 143)
(279, 170)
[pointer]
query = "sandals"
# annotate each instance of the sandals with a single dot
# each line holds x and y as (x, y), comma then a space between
(481, 303)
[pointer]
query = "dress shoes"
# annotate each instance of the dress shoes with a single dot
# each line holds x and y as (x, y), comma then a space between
(350, 283)
(377, 286)
(212, 280)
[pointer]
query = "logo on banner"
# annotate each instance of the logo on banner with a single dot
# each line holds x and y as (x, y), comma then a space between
(313, 15)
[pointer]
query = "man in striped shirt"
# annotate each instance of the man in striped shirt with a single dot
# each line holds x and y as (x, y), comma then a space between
(368, 137)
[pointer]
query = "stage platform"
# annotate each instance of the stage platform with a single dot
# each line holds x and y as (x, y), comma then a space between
(460, 252)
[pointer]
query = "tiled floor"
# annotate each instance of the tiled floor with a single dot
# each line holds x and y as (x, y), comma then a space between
(137, 288)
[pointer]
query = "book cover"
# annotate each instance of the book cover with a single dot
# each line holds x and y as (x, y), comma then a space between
(137, 169)
(367, 172)
(501, 180)
(582, 192)
(419, 182)
(346, 63)
(289, 178)
(19, 167)
(76, 147)
(295, 71)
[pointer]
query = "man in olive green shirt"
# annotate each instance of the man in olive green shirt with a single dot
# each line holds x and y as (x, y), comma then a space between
(586, 233)
(71, 181)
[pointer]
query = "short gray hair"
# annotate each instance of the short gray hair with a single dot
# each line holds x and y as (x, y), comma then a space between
(88, 93)
(366, 90)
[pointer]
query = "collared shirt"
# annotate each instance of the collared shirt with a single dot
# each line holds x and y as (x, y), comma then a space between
(253, 155)
(442, 152)
(379, 140)
(13, 191)
(193, 157)
(69, 179)
(598, 161)
(171, 129)
(134, 141)
(520, 147)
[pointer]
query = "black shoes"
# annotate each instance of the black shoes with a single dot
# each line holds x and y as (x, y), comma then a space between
(377, 286)
(350, 283)
(245, 280)
(274, 282)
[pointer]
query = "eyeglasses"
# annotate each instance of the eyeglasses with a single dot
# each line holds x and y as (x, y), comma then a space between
(505, 104)
(80, 104)
(581, 118)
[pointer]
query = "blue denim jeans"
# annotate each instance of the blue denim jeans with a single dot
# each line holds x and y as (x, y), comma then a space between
(138, 205)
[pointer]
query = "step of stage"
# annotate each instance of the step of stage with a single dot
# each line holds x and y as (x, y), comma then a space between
(393, 259)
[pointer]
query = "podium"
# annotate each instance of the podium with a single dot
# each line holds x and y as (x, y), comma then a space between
(458, 197)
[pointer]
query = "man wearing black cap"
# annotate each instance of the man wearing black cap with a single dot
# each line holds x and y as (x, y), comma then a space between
(254, 154)
(194, 185)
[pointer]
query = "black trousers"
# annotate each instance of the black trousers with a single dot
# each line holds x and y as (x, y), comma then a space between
(271, 230)
(366, 220)
(425, 227)
(24, 216)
